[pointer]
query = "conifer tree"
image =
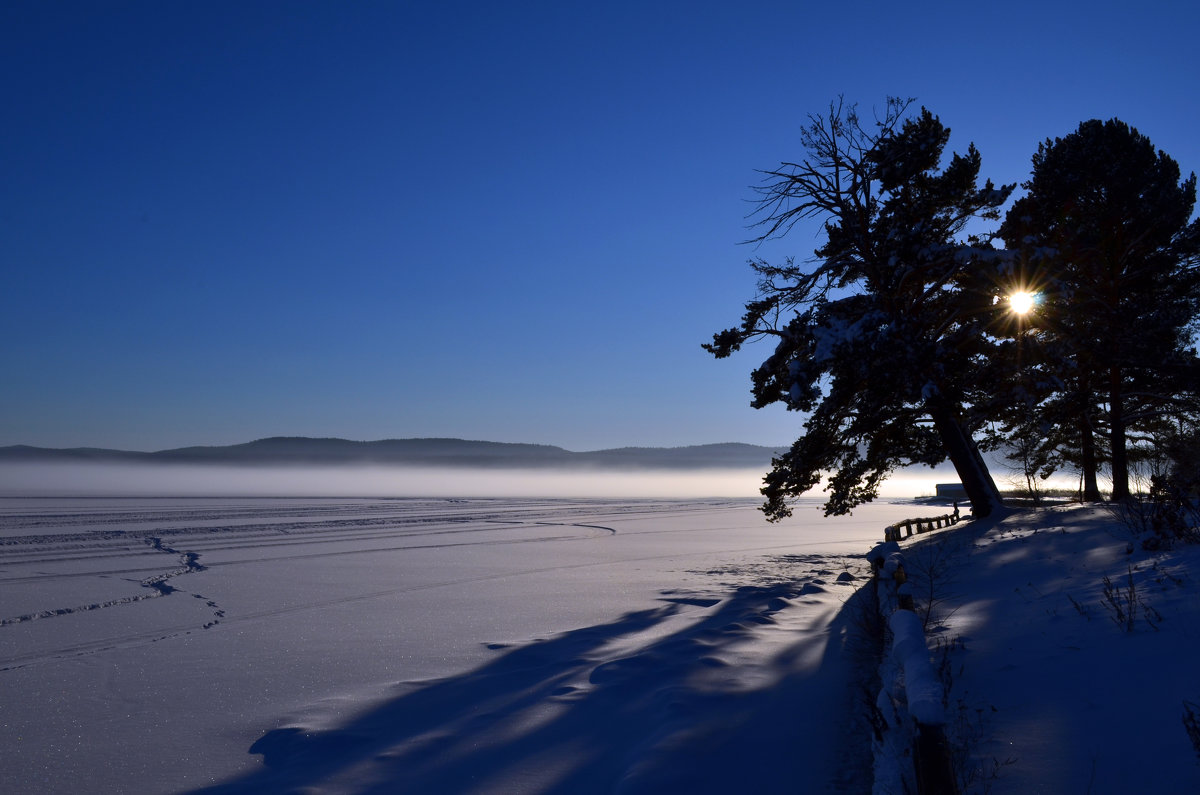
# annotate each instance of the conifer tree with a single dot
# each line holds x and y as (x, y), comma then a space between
(1104, 233)
(877, 337)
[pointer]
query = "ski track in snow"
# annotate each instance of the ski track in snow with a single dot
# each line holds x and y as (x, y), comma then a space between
(188, 534)
(157, 584)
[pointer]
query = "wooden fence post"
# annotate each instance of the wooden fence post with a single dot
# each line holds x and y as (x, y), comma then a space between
(917, 526)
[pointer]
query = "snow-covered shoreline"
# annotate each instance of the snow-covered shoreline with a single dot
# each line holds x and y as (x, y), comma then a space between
(1048, 692)
(512, 645)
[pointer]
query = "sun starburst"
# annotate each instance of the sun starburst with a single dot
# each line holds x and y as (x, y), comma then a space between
(1022, 302)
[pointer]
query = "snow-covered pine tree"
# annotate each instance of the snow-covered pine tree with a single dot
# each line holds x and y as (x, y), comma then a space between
(879, 336)
(1105, 233)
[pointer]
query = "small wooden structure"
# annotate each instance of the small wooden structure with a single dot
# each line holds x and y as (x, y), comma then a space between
(951, 491)
(910, 526)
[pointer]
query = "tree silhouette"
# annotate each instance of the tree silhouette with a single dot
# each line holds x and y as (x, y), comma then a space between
(1104, 233)
(878, 337)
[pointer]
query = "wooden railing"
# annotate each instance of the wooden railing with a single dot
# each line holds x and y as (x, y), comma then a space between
(910, 526)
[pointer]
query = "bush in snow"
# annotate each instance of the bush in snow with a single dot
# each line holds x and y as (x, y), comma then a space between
(1124, 603)
(1169, 512)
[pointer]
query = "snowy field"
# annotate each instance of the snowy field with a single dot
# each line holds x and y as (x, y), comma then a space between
(428, 645)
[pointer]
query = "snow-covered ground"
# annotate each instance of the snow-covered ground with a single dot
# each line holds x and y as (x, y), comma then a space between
(421, 645)
(1051, 692)
(567, 646)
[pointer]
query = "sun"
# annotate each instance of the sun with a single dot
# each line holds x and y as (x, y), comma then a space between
(1022, 302)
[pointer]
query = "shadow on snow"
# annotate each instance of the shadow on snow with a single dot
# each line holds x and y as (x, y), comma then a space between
(567, 715)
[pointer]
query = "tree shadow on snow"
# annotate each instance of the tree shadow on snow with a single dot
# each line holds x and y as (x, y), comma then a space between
(571, 715)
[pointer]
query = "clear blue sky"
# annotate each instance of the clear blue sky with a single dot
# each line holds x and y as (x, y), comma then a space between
(510, 221)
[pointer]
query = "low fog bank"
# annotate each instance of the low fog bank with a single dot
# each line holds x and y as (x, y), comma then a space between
(139, 480)
(135, 480)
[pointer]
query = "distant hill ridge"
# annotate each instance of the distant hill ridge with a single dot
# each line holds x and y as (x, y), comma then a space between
(415, 452)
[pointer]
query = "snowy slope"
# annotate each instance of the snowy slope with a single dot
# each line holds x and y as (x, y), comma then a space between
(1051, 693)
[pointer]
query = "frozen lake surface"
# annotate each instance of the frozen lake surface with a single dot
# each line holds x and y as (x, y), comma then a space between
(426, 645)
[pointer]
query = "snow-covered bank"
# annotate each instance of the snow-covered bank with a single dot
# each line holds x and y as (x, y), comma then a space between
(1051, 693)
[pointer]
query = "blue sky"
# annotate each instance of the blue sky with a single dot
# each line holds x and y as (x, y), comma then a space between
(509, 221)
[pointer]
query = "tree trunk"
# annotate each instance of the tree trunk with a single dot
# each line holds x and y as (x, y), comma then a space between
(964, 454)
(1087, 452)
(1116, 420)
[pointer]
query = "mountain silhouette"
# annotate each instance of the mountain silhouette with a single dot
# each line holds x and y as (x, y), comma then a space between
(285, 450)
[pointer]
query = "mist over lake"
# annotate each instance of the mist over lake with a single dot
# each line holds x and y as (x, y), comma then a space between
(146, 480)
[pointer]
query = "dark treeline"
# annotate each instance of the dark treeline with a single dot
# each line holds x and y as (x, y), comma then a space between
(931, 322)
